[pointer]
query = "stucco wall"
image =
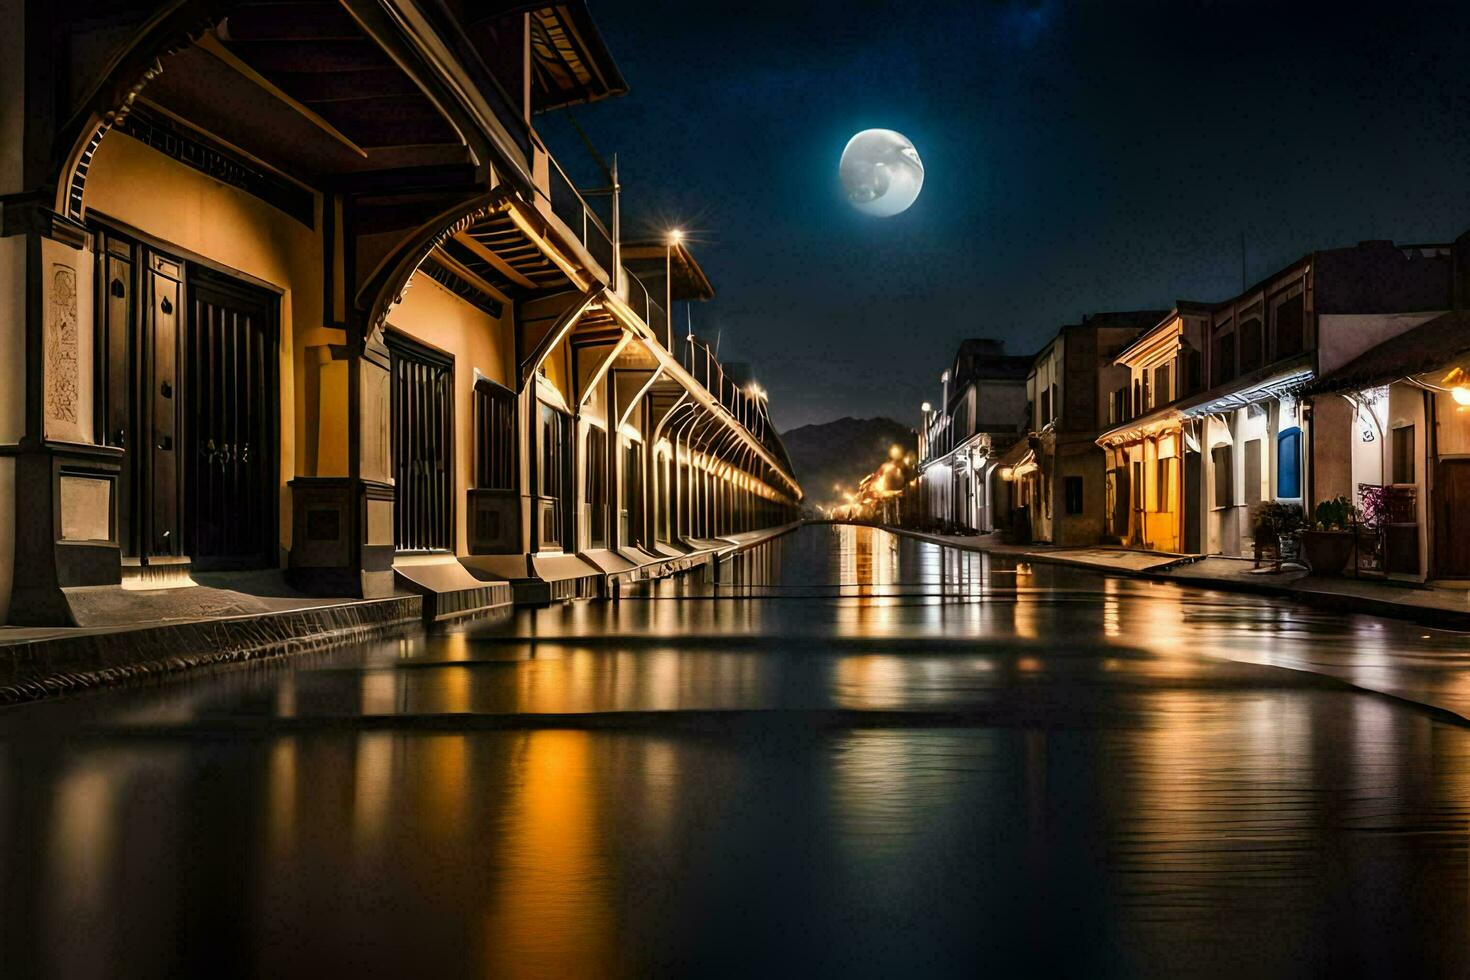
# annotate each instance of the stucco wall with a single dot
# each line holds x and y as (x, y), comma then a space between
(1331, 447)
(1342, 337)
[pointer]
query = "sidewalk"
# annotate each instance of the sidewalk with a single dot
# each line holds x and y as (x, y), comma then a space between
(1440, 608)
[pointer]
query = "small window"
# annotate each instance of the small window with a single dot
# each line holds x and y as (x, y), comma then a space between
(1289, 463)
(1223, 463)
(1163, 393)
(1194, 371)
(1403, 454)
(1072, 488)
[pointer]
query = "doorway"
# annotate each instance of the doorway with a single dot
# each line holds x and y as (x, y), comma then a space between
(188, 388)
(1452, 522)
(229, 424)
(421, 405)
(1191, 503)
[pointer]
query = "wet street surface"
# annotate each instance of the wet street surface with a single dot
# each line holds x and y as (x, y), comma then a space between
(855, 755)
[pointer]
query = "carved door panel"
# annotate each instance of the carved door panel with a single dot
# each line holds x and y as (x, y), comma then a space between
(117, 380)
(160, 401)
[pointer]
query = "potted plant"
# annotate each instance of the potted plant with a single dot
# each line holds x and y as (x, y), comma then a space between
(1328, 545)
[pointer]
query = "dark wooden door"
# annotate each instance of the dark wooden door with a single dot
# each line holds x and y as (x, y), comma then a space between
(230, 421)
(423, 446)
(1191, 503)
(1452, 522)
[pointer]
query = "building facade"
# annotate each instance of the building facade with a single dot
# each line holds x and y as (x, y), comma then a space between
(1060, 480)
(1212, 421)
(1391, 431)
(1144, 494)
(981, 409)
(300, 287)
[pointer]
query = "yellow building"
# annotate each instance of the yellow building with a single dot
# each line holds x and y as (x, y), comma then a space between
(1145, 505)
(300, 288)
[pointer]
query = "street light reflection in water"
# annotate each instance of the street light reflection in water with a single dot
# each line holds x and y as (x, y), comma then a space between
(854, 754)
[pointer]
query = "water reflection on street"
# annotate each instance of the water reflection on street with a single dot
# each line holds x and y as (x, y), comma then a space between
(854, 754)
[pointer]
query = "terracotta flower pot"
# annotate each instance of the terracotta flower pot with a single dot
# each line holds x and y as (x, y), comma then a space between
(1327, 552)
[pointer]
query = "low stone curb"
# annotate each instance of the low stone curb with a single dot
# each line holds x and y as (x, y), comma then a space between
(56, 665)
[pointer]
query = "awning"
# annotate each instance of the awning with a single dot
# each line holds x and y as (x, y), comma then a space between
(1431, 346)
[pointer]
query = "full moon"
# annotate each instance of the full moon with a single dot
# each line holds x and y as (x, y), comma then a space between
(881, 172)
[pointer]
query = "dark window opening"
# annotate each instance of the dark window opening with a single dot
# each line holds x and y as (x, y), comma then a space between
(1291, 327)
(1222, 365)
(1251, 336)
(1403, 454)
(1072, 491)
(1224, 465)
(1194, 371)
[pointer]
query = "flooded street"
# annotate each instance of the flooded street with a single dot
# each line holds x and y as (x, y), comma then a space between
(855, 755)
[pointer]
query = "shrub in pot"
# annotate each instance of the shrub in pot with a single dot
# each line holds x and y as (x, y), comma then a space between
(1328, 546)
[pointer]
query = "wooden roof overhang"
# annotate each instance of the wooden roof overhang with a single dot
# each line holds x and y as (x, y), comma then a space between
(687, 279)
(326, 88)
(520, 251)
(570, 62)
(1160, 340)
(1160, 421)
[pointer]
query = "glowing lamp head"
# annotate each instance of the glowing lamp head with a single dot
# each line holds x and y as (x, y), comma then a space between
(676, 236)
(926, 408)
(1458, 382)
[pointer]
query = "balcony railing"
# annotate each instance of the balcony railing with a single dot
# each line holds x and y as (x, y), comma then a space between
(642, 302)
(699, 359)
(568, 204)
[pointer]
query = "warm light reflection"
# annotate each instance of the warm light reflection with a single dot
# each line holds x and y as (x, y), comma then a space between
(550, 913)
(371, 792)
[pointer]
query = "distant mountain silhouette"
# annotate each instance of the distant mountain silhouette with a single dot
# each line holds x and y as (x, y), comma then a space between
(841, 452)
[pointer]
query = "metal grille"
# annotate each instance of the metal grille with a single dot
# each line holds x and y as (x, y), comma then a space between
(423, 446)
(495, 459)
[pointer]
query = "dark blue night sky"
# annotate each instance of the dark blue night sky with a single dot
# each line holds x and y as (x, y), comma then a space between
(1078, 157)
